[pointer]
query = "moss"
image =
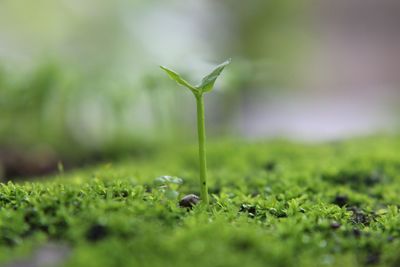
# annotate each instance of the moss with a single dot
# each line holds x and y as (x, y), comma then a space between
(274, 204)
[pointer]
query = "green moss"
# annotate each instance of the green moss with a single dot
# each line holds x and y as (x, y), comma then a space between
(273, 204)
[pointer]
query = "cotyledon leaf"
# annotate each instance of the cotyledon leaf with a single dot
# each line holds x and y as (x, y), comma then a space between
(177, 78)
(207, 83)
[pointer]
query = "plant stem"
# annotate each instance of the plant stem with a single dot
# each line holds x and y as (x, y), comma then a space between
(202, 149)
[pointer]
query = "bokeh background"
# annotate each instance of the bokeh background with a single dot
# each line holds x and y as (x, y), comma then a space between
(80, 83)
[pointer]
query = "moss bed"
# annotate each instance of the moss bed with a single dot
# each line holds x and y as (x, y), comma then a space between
(274, 203)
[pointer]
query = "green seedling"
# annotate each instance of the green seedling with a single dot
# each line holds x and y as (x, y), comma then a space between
(206, 85)
(168, 185)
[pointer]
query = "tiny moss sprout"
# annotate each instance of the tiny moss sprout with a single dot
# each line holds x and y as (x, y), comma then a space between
(206, 85)
(168, 185)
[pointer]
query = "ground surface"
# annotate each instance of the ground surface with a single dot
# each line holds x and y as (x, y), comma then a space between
(274, 204)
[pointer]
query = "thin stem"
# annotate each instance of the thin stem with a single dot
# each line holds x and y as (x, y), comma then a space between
(202, 148)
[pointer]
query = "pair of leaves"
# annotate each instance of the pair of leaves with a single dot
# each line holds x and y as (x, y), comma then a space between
(168, 185)
(166, 180)
(206, 84)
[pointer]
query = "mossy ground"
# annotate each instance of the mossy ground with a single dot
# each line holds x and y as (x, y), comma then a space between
(273, 204)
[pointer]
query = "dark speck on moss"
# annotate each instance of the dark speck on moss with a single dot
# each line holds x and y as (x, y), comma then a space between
(373, 258)
(96, 232)
(250, 209)
(359, 216)
(242, 245)
(390, 238)
(340, 200)
(270, 166)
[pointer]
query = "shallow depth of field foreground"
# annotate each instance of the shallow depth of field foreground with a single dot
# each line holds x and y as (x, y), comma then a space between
(272, 204)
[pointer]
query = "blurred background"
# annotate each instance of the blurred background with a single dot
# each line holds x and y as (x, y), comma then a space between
(80, 83)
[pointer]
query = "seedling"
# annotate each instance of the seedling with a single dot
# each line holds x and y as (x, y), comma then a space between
(206, 85)
(168, 185)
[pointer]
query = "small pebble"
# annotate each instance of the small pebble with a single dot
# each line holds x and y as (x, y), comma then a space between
(189, 201)
(335, 225)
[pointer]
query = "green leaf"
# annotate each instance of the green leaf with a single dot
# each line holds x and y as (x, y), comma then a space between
(171, 194)
(207, 83)
(177, 78)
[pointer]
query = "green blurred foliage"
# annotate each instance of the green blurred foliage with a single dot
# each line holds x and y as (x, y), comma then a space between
(270, 34)
(77, 77)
